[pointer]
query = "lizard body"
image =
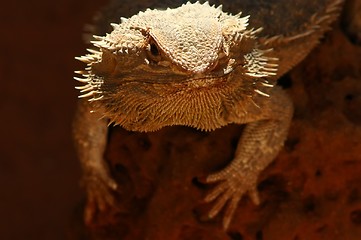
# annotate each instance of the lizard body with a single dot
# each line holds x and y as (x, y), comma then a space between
(197, 66)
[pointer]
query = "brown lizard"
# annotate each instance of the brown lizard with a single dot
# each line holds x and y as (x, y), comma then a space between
(201, 67)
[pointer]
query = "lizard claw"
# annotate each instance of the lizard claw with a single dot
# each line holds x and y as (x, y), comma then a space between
(99, 186)
(231, 187)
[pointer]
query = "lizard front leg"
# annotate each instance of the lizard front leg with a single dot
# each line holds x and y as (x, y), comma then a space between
(90, 136)
(259, 144)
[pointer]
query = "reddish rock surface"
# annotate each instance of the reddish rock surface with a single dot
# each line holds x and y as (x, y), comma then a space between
(311, 191)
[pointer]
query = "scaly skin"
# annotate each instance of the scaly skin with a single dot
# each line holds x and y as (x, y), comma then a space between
(200, 67)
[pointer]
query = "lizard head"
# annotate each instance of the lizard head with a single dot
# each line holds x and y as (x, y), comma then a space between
(167, 54)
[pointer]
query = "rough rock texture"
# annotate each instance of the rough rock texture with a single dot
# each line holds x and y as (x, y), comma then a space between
(311, 191)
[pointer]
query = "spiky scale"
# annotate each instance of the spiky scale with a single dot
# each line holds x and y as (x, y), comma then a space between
(88, 94)
(93, 51)
(83, 59)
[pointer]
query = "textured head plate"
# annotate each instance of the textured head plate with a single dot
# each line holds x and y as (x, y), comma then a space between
(193, 45)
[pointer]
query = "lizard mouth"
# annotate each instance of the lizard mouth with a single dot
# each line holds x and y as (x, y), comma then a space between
(205, 81)
(221, 72)
(165, 76)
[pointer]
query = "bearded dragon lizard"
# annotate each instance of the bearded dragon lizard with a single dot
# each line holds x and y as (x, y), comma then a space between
(197, 66)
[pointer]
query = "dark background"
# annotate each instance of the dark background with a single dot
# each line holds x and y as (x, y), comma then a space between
(39, 172)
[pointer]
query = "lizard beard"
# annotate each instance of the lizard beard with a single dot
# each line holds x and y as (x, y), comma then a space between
(149, 107)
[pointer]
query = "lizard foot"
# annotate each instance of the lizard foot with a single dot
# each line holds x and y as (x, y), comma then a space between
(99, 186)
(232, 185)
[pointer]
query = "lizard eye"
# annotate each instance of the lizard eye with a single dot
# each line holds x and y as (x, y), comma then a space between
(154, 50)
